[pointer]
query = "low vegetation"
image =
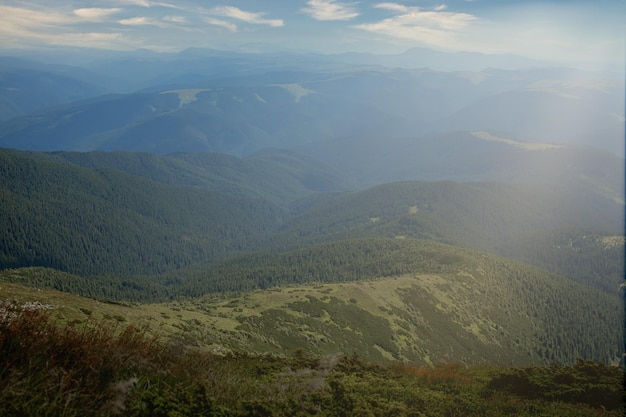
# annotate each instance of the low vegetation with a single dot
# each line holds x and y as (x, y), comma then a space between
(101, 370)
(470, 307)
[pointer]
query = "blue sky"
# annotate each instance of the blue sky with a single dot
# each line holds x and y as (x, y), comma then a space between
(564, 31)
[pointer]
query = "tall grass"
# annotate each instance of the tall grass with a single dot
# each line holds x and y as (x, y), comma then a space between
(47, 369)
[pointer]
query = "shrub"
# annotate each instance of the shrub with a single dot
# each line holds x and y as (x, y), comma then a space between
(593, 383)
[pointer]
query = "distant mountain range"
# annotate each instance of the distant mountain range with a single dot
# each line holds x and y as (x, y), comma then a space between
(127, 71)
(240, 103)
(27, 87)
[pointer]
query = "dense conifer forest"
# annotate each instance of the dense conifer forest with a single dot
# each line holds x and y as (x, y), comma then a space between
(93, 217)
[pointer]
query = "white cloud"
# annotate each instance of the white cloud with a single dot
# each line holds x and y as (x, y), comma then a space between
(101, 40)
(21, 26)
(147, 3)
(221, 23)
(19, 17)
(172, 22)
(393, 6)
(137, 21)
(175, 19)
(93, 40)
(245, 16)
(430, 27)
(330, 10)
(95, 14)
(141, 3)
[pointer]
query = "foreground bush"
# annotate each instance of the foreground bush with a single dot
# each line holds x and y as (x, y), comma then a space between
(47, 369)
(586, 382)
(98, 369)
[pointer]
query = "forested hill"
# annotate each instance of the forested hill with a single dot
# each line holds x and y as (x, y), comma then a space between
(482, 215)
(470, 156)
(125, 213)
(94, 221)
(385, 299)
(572, 230)
(277, 175)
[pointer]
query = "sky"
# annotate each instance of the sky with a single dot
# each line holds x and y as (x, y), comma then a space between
(565, 31)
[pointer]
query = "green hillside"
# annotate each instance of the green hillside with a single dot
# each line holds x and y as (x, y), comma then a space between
(279, 176)
(470, 156)
(102, 370)
(476, 214)
(522, 221)
(98, 221)
(587, 257)
(126, 217)
(401, 300)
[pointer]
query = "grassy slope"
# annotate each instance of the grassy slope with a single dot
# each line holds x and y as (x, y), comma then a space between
(99, 370)
(479, 308)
